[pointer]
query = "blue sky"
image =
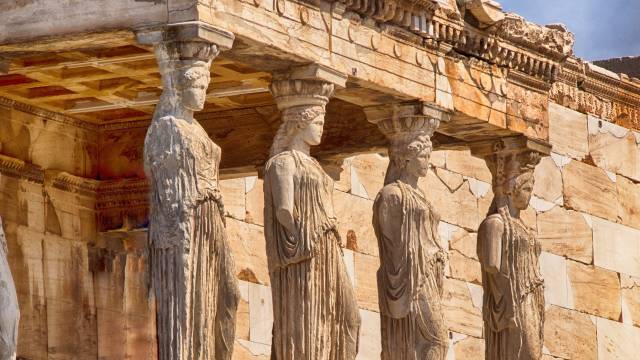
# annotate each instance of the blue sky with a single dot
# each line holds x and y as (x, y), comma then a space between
(603, 28)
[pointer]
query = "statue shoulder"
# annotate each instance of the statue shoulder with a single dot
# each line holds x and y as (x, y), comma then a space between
(281, 162)
(390, 195)
(492, 224)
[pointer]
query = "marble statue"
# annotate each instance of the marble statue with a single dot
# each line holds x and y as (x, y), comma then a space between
(315, 312)
(411, 273)
(192, 271)
(513, 306)
(9, 311)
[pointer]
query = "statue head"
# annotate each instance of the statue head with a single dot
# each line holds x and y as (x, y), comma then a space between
(191, 86)
(411, 155)
(513, 178)
(184, 67)
(300, 123)
(303, 104)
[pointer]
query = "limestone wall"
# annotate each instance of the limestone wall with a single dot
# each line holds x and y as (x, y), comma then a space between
(83, 293)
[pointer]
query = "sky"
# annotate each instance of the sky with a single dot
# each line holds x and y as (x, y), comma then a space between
(604, 28)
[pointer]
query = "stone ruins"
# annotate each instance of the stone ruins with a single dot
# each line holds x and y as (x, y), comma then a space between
(313, 180)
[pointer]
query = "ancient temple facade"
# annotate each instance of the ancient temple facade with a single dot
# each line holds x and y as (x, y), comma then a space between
(138, 136)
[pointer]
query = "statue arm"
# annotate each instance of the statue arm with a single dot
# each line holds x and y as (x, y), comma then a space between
(390, 214)
(490, 240)
(283, 193)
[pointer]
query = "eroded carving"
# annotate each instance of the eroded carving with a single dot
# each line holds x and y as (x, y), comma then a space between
(9, 311)
(192, 272)
(554, 38)
(513, 303)
(315, 312)
(411, 272)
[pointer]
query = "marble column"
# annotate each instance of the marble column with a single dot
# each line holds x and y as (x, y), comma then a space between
(315, 311)
(412, 259)
(9, 311)
(513, 304)
(192, 271)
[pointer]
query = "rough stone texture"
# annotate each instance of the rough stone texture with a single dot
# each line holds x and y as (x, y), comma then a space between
(355, 225)
(616, 247)
(570, 334)
(462, 162)
(617, 341)
(629, 205)
(247, 246)
(595, 290)
(463, 257)
(548, 184)
(366, 283)
(468, 348)
(556, 282)
(254, 200)
(456, 205)
(367, 173)
(568, 131)
(614, 148)
(567, 233)
(463, 315)
(590, 190)
(630, 289)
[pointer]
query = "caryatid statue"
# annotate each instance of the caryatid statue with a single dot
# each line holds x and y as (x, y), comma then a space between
(412, 259)
(513, 304)
(9, 312)
(192, 272)
(315, 311)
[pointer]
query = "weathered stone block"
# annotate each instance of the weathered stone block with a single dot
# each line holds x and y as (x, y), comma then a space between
(462, 313)
(370, 342)
(462, 162)
(556, 282)
(629, 205)
(595, 290)
(456, 206)
(354, 222)
(254, 200)
(366, 281)
(570, 334)
(617, 341)
(630, 289)
(568, 131)
(589, 189)
(567, 233)
(614, 148)
(616, 247)
(469, 348)
(233, 191)
(463, 258)
(247, 245)
(367, 175)
(548, 181)
(260, 314)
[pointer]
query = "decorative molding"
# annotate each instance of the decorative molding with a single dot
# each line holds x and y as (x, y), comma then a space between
(19, 169)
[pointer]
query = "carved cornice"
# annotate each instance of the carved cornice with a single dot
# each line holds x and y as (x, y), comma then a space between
(19, 169)
(510, 42)
(585, 88)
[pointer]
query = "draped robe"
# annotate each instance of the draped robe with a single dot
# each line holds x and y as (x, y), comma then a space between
(410, 276)
(315, 312)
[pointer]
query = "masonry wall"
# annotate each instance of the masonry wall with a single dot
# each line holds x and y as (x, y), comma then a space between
(83, 291)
